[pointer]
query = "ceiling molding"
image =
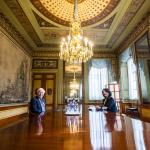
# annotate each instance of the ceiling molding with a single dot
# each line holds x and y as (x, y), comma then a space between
(42, 22)
(15, 23)
(128, 16)
(143, 11)
(120, 11)
(141, 28)
(23, 19)
(45, 54)
(54, 54)
(104, 55)
(12, 31)
(106, 24)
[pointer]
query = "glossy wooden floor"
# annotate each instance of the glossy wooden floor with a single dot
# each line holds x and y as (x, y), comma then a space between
(90, 131)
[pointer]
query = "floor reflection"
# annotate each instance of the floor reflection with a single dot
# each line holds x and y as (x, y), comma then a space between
(35, 124)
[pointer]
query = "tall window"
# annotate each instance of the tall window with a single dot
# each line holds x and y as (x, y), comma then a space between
(132, 76)
(98, 78)
(128, 71)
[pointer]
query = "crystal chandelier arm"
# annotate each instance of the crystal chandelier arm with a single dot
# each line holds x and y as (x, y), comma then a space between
(75, 16)
(74, 76)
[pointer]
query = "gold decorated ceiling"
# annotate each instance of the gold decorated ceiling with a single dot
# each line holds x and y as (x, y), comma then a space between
(72, 1)
(43, 23)
(89, 11)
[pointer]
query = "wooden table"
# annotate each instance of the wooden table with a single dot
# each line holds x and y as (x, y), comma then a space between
(90, 131)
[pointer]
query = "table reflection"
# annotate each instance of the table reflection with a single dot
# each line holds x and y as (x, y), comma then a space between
(93, 131)
(99, 138)
(73, 123)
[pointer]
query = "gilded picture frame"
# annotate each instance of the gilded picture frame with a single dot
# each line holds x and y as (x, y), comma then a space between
(44, 64)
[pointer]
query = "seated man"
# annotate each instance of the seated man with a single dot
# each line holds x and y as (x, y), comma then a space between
(37, 103)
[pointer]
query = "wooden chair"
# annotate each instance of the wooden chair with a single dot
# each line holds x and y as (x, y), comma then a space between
(144, 112)
(133, 110)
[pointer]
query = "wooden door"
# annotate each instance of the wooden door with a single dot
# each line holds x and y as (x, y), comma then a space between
(37, 82)
(50, 88)
(46, 81)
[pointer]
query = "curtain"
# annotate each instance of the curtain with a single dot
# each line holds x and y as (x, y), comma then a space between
(98, 78)
(128, 72)
(132, 75)
(144, 87)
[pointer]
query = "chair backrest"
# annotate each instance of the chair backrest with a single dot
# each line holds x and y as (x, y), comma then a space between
(144, 113)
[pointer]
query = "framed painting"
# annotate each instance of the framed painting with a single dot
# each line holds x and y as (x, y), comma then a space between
(45, 64)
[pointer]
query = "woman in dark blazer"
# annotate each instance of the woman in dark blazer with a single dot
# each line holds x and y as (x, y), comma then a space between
(108, 101)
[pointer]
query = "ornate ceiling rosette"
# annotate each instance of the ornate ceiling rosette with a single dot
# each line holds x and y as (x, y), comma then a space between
(89, 11)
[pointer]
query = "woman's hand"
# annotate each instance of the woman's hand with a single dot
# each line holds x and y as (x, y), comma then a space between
(104, 108)
(97, 107)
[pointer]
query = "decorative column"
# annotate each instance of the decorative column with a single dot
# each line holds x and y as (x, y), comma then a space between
(60, 83)
(86, 84)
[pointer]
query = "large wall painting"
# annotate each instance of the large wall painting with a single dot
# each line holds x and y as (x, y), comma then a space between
(14, 72)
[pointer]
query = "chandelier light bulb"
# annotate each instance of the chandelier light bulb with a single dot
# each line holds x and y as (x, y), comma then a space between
(69, 38)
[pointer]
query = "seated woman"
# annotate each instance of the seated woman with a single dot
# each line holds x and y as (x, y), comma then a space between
(108, 102)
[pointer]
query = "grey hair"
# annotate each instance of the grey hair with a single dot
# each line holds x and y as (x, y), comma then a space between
(41, 89)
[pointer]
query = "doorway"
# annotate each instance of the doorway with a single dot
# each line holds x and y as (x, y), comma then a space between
(46, 81)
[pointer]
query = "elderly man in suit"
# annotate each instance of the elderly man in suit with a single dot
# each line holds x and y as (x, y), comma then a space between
(37, 103)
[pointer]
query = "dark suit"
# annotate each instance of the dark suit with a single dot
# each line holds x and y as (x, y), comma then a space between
(110, 104)
(35, 105)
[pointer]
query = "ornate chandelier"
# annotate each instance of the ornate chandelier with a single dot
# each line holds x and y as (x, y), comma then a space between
(75, 48)
(74, 84)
